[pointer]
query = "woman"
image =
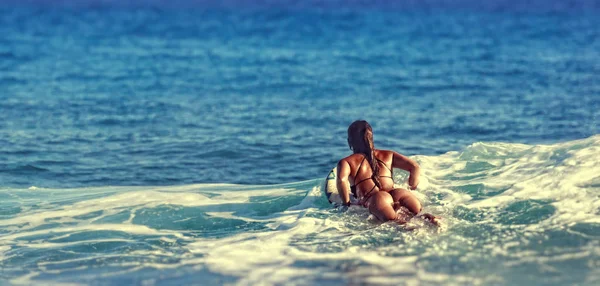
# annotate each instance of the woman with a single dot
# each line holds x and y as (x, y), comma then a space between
(368, 175)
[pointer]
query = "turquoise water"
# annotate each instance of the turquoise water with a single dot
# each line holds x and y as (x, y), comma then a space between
(162, 143)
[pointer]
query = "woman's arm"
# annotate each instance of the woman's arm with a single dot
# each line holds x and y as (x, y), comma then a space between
(402, 162)
(343, 185)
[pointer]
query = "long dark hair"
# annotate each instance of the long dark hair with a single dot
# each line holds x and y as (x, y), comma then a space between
(360, 140)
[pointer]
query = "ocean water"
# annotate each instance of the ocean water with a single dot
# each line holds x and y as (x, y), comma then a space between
(155, 143)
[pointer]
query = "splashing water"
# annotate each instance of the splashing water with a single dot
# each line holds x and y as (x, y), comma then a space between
(512, 214)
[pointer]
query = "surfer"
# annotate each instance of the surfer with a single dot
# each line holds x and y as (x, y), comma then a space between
(367, 174)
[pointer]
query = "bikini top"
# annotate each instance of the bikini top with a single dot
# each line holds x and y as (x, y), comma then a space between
(353, 187)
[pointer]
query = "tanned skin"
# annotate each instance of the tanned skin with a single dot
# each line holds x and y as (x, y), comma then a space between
(384, 201)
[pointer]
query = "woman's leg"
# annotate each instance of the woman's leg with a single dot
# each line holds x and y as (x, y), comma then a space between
(406, 199)
(381, 206)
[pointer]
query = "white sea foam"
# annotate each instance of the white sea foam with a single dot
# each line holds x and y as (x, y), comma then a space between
(528, 172)
(502, 206)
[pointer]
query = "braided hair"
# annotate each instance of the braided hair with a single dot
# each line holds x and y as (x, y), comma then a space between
(360, 140)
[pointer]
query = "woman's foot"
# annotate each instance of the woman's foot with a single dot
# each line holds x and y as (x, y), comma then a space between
(431, 218)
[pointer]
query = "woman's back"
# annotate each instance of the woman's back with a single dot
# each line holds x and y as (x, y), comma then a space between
(361, 179)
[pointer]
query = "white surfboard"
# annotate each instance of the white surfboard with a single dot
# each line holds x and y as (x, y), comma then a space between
(331, 190)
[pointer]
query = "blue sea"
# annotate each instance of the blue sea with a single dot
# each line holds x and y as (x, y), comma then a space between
(187, 142)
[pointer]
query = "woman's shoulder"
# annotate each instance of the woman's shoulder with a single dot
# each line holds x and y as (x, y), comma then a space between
(386, 156)
(352, 160)
(384, 153)
(351, 157)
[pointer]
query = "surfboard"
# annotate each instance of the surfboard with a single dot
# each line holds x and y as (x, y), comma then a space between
(331, 191)
(330, 188)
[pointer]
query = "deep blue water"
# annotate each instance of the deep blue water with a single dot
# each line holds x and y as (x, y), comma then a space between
(104, 103)
(95, 96)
